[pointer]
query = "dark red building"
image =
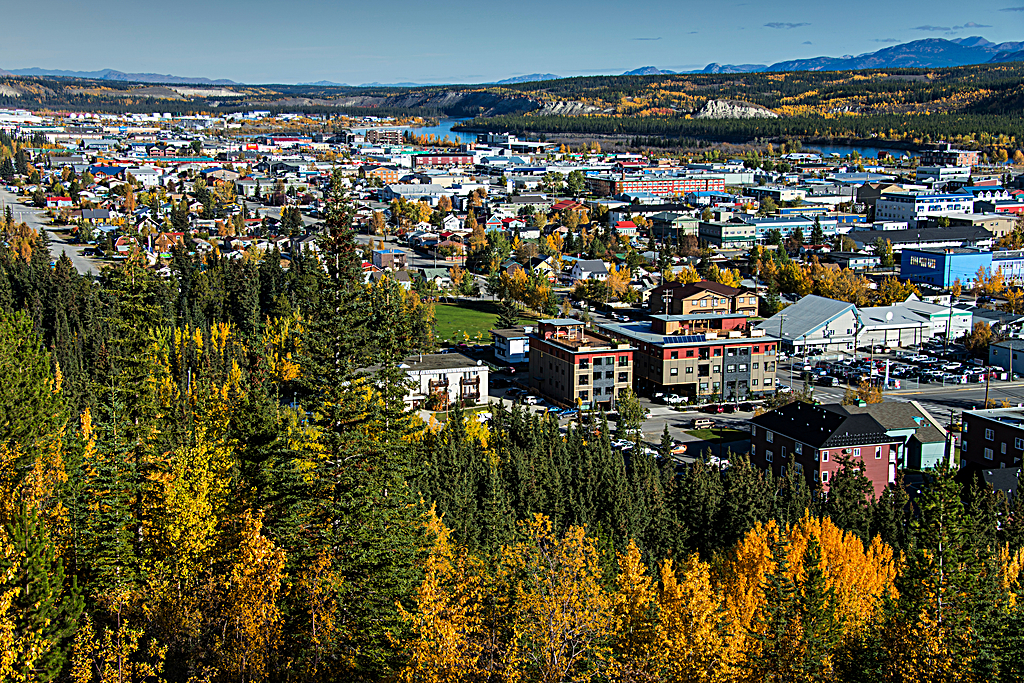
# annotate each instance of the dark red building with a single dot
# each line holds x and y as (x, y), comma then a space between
(817, 437)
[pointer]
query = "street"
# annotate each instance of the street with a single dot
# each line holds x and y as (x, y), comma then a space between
(36, 219)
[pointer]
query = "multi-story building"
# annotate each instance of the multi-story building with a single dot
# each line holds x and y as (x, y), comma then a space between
(947, 156)
(911, 206)
(387, 174)
(701, 298)
(728, 235)
(787, 225)
(575, 366)
(607, 184)
(512, 345)
(430, 160)
(943, 267)
(442, 379)
(700, 357)
(992, 438)
(384, 136)
(389, 258)
(943, 174)
(818, 437)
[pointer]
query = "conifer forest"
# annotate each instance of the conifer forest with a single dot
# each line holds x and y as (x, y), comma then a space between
(199, 481)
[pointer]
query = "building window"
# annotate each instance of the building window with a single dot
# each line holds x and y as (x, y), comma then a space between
(768, 456)
(767, 381)
(856, 452)
(988, 453)
(597, 376)
(730, 368)
(782, 452)
(730, 353)
(718, 369)
(1019, 443)
(757, 349)
(584, 364)
(1002, 448)
(769, 437)
(609, 374)
(689, 370)
(743, 367)
(753, 382)
(689, 353)
(878, 452)
(703, 303)
(623, 361)
(989, 435)
(824, 456)
(674, 372)
(623, 376)
(753, 430)
(674, 355)
(703, 386)
(718, 352)
(824, 477)
(716, 386)
(798, 448)
(584, 380)
(754, 366)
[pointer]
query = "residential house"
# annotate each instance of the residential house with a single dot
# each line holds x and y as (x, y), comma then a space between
(595, 269)
(704, 297)
(389, 258)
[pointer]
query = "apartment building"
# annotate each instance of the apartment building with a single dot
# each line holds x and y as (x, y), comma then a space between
(574, 366)
(948, 156)
(701, 298)
(992, 438)
(817, 437)
(700, 357)
(607, 184)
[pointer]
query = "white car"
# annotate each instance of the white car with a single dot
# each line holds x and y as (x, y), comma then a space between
(784, 388)
(530, 400)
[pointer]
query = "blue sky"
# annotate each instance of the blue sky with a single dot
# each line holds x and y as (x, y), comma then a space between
(457, 41)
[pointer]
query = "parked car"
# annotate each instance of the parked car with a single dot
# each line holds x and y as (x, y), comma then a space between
(674, 400)
(783, 388)
(827, 382)
(714, 408)
(702, 423)
(530, 400)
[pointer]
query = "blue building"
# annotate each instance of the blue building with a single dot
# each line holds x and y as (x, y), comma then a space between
(787, 224)
(943, 267)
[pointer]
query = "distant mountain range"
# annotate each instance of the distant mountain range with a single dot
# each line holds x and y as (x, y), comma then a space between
(113, 75)
(327, 84)
(528, 78)
(927, 53)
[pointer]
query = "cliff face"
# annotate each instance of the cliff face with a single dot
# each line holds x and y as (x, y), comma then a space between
(734, 109)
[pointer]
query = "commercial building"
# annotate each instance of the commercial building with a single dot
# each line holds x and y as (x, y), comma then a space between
(911, 206)
(608, 184)
(687, 355)
(512, 345)
(815, 324)
(701, 298)
(431, 160)
(384, 136)
(999, 224)
(943, 267)
(728, 235)
(786, 225)
(573, 366)
(1011, 263)
(992, 438)
(943, 174)
(1008, 355)
(926, 238)
(818, 438)
(948, 156)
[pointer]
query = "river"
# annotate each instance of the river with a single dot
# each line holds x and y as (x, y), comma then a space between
(443, 128)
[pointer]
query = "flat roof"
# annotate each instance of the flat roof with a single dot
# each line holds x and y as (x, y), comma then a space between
(641, 332)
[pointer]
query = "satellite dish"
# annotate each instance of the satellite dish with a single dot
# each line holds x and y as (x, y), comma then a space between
(888, 316)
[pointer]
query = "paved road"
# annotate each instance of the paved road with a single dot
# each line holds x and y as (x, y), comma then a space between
(36, 219)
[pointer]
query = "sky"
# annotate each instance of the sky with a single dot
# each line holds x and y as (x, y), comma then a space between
(457, 41)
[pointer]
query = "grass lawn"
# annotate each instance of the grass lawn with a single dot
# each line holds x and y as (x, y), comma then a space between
(455, 321)
(714, 435)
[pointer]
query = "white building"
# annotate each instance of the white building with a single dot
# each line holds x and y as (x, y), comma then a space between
(512, 345)
(449, 376)
(912, 206)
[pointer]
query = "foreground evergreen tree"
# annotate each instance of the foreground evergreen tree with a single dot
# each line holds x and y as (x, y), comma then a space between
(46, 604)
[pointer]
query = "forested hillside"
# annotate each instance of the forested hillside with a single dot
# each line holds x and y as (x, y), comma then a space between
(199, 483)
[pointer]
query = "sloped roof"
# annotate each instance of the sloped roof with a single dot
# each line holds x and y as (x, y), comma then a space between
(805, 316)
(820, 427)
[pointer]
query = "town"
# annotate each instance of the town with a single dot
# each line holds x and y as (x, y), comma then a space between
(704, 373)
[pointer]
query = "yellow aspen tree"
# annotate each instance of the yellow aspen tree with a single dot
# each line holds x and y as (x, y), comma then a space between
(118, 654)
(447, 619)
(636, 651)
(561, 614)
(693, 637)
(251, 621)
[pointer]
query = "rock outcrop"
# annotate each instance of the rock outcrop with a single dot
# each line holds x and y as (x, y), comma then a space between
(734, 109)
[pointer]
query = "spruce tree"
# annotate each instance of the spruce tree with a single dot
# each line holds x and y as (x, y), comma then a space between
(848, 503)
(46, 603)
(508, 314)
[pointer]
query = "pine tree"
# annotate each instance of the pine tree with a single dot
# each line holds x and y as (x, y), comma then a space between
(508, 314)
(849, 493)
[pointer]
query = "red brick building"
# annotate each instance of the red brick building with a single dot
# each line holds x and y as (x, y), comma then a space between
(817, 437)
(441, 160)
(992, 438)
(575, 366)
(661, 185)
